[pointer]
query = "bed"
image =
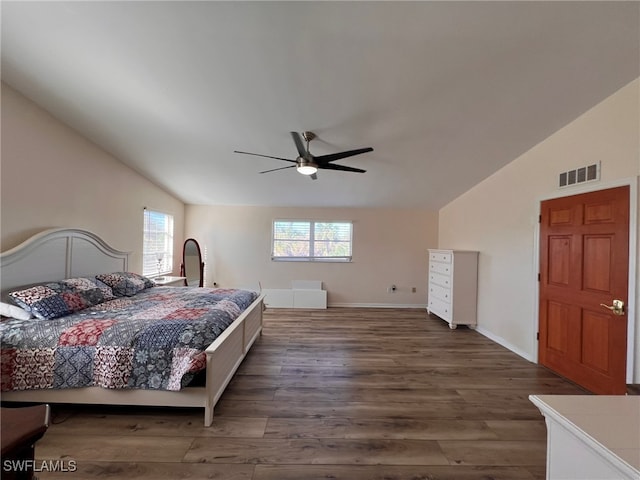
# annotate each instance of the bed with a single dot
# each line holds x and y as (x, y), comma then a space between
(57, 254)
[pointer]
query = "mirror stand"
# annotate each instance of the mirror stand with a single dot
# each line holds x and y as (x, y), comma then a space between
(192, 266)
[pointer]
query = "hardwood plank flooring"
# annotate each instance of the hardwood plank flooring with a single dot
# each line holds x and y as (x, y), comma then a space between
(349, 394)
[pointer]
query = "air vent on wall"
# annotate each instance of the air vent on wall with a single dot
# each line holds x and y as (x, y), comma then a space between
(589, 173)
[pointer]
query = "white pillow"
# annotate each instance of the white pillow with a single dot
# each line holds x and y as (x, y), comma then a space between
(12, 311)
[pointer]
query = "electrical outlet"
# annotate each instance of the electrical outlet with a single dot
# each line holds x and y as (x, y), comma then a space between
(392, 289)
(413, 289)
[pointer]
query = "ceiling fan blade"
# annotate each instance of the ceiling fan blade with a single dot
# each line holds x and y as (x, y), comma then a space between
(297, 139)
(337, 156)
(275, 169)
(265, 156)
(333, 166)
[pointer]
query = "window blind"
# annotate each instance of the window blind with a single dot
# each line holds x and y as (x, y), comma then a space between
(306, 240)
(157, 250)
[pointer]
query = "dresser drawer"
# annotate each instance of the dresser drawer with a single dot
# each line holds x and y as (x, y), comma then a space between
(442, 268)
(440, 308)
(441, 293)
(438, 279)
(444, 257)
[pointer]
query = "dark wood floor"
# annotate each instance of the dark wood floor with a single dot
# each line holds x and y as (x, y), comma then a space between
(349, 394)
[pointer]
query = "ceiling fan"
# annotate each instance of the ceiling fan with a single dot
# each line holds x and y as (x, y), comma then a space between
(308, 164)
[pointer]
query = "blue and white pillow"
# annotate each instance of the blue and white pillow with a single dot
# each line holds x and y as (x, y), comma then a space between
(41, 301)
(125, 284)
(56, 299)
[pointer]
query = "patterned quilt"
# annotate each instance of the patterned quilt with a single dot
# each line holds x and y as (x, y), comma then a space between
(152, 340)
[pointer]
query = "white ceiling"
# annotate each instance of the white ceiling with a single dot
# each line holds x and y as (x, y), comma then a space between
(445, 92)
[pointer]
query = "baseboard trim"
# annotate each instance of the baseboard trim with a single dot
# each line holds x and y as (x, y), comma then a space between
(378, 305)
(501, 341)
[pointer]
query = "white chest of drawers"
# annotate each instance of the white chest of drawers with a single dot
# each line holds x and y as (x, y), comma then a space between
(453, 286)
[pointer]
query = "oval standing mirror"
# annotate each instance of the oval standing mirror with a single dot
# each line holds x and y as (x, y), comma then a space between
(192, 264)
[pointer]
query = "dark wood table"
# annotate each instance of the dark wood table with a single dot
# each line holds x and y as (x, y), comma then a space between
(21, 428)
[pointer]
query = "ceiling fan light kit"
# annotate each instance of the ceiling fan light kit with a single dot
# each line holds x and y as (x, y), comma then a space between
(308, 164)
(307, 169)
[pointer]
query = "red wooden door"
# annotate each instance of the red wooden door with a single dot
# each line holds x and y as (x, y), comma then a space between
(584, 262)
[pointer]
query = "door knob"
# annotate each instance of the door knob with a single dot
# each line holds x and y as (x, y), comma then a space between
(617, 308)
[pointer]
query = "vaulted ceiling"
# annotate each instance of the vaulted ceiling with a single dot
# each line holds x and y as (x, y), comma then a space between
(445, 92)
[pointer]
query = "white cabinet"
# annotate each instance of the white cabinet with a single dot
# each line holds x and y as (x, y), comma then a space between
(591, 437)
(294, 298)
(302, 294)
(453, 286)
(169, 281)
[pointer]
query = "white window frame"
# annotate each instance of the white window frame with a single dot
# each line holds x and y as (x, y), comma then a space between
(157, 243)
(311, 241)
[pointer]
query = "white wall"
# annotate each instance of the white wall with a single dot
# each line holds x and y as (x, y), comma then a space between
(499, 216)
(54, 177)
(389, 247)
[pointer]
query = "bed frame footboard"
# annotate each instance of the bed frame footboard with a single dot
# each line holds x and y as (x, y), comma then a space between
(226, 353)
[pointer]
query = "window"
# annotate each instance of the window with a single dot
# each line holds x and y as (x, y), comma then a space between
(157, 250)
(303, 240)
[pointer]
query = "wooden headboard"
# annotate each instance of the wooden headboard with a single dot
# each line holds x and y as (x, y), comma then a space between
(57, 254)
